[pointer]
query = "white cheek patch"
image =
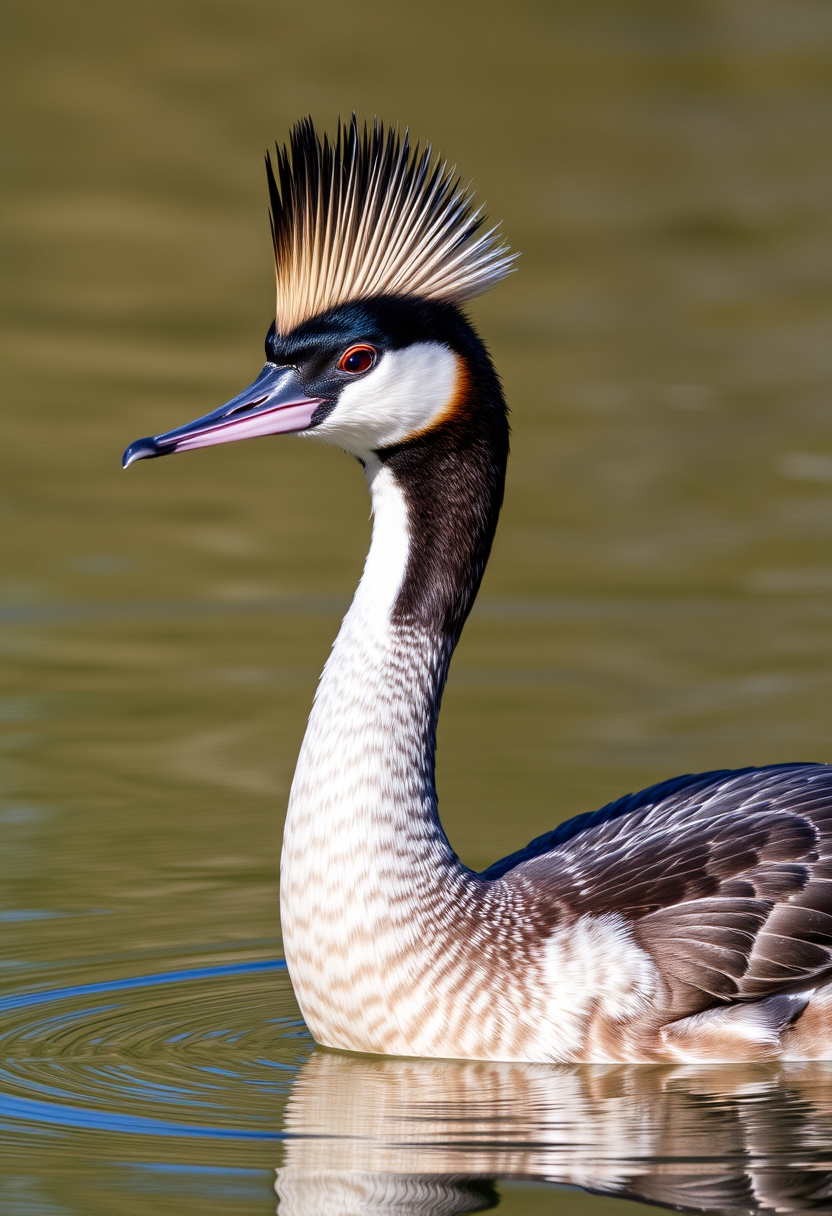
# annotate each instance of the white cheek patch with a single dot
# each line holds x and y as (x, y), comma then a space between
(406, 392)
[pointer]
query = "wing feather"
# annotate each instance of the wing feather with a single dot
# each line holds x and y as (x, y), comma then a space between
(725, 879)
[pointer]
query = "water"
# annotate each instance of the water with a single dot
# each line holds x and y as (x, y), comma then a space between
(658, 600)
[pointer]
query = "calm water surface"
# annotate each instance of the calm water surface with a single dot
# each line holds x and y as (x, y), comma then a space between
(658, 600)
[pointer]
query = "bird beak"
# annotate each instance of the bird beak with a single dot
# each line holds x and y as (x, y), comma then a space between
(273, 405)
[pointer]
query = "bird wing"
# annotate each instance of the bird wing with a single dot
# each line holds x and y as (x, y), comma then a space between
(725, 879)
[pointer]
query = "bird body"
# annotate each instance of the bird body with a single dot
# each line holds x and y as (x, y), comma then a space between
(690, 922)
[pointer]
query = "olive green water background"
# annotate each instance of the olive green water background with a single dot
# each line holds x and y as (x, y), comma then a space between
(659, 596)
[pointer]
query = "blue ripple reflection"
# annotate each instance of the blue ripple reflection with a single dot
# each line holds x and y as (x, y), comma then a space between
(99, 1059)
(54, 1113)
(22, 1000)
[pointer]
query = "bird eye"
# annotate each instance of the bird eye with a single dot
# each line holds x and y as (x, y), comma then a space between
(357, 359)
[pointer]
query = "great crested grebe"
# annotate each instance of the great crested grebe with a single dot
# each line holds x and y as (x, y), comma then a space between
(692, 921)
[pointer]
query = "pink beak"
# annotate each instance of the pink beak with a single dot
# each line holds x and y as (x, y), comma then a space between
(275, 404)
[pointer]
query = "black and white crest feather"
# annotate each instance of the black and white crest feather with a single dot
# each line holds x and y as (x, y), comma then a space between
(367, 215)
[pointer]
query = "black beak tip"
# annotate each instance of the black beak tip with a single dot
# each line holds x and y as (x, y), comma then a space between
(143, 449)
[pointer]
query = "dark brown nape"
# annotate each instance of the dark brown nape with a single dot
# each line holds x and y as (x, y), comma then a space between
(452, 476)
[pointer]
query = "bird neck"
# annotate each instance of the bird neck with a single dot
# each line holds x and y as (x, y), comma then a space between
(369, 751)
(363, 845)
(368, 757)
(365, 775)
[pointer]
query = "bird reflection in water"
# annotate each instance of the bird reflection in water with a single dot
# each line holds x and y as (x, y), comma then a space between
(432, 1137)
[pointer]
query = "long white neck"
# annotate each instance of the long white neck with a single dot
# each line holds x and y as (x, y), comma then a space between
(366, 766)
(365, 860)
(394, 946)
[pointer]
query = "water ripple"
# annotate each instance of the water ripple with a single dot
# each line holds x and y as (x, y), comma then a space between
(194, 1040)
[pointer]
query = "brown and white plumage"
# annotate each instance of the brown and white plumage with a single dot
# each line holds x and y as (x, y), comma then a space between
(725, 880)
(692, 921)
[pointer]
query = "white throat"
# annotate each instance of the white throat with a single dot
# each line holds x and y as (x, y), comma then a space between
(362, 834)
(386, 560)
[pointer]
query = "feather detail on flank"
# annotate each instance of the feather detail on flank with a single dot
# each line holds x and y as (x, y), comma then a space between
(367, 216)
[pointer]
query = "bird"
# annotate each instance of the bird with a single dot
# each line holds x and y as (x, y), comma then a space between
(689, 922)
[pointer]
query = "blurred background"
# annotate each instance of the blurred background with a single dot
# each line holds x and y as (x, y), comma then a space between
(658, 599)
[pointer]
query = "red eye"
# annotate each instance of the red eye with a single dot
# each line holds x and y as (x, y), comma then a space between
(357, 359)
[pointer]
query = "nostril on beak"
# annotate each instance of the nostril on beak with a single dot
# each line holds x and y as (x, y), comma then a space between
(247, 405)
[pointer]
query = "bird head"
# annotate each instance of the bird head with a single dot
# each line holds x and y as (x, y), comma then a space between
(376, 245)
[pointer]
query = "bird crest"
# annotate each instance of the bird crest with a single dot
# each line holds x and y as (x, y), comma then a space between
(367, 215)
